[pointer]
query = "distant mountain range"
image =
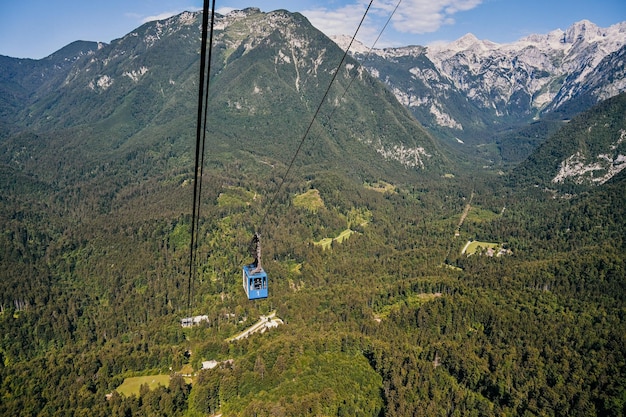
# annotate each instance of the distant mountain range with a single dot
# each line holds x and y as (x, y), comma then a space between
(269, 74)
(474, 91)
(476, 98)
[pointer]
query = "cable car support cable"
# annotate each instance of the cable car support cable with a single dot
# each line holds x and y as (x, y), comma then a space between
(364, 59)
(254, 277)
(317, 111)
(201, 127)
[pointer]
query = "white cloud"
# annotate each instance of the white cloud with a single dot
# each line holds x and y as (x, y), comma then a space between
(412, 16)
(423, 16)
(338, 21)
(344, 20)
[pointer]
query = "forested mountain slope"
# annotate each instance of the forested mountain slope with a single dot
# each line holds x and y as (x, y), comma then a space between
(589, 150)
(22, 81)
(270, 72)
(394, 320)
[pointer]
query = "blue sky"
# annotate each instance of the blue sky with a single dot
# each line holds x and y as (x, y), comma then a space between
(37, 28)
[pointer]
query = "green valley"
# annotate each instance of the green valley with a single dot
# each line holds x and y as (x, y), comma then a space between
(383, 312)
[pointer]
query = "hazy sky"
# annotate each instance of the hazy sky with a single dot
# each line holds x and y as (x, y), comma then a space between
(37, 28)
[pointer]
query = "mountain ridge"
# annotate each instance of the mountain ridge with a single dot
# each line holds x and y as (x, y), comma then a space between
(470, 89)
(590, 150)
(268, 76)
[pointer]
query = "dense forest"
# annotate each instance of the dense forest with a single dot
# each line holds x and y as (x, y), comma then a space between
(394, 318)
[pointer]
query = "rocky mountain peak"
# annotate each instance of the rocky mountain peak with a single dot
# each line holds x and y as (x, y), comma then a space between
(466, 41)
(469, 86)
(269, 72)
(467, 44)
(343, 41)
(582, 31)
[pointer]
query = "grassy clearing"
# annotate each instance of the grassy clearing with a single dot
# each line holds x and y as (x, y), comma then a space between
(381, 187)
(344, 235)
(311, 200)
(235, 197)
(472, 246)
(324, 243)
(413, 301)
(477, 214)
(131, 385)
(327, 241)
(294, 267)
(358, 217)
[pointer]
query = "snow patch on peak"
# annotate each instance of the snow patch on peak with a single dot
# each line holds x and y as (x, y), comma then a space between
(464, 42)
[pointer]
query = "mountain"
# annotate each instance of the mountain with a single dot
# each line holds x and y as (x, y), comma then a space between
(471, 89)
(589, 151)
(21, 80)
(269, 74)
(384, 312)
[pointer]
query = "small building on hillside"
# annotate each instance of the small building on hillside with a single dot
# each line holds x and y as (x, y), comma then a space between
(212, 363)
(209, 364)
(191, 321)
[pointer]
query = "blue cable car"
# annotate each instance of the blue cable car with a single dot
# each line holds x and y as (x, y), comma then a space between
(254, 282)
(254, 277)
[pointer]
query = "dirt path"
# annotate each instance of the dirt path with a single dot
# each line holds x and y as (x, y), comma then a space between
(264, 322)
(468, 206)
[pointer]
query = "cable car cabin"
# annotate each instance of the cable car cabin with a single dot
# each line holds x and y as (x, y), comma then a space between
(254, 282)
(254, 277)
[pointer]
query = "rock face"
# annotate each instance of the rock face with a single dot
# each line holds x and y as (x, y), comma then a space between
(597, 169)
(470, 85)
(588, 151)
